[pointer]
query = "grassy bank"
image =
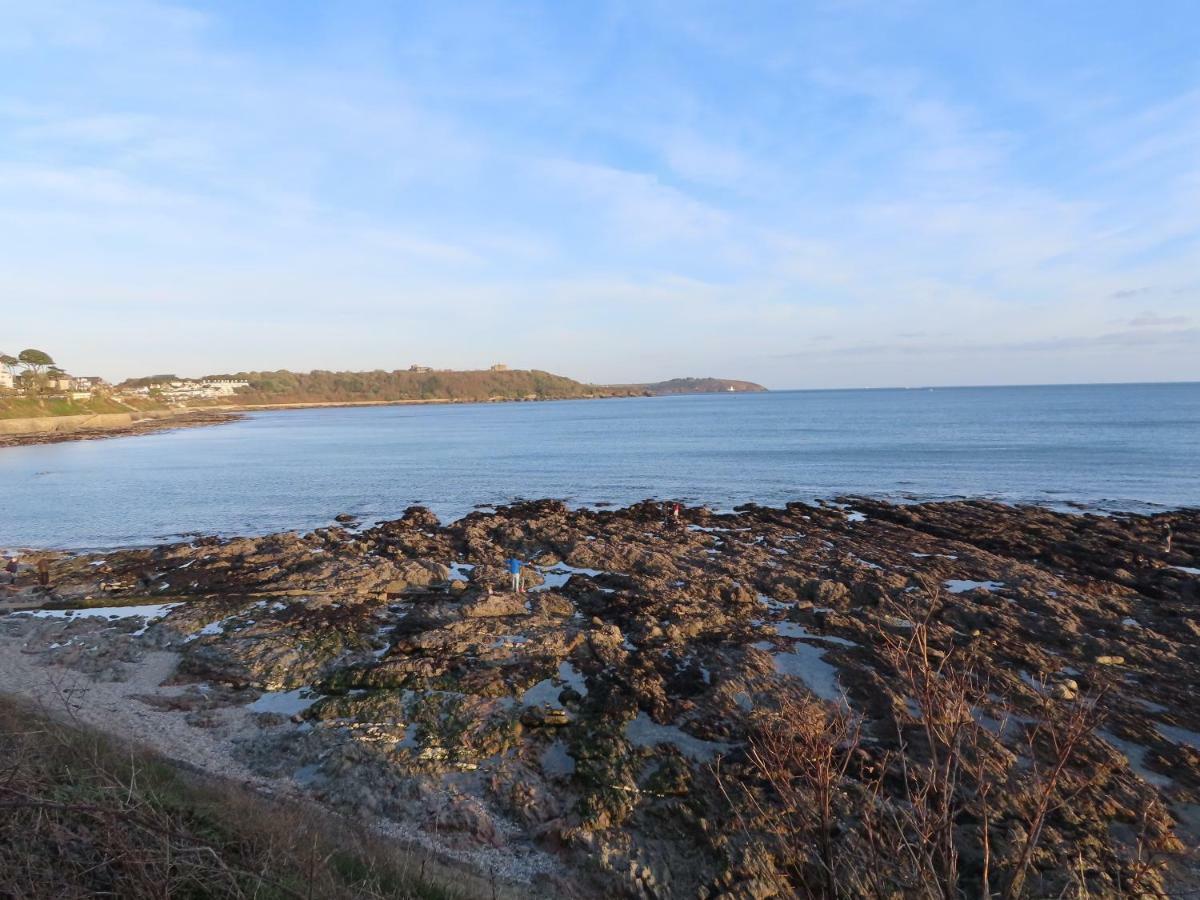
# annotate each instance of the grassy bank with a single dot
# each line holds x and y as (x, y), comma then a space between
(83, 815)
(18, 406)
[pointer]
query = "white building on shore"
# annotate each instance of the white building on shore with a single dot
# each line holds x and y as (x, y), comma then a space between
(88, 383)
(224, 387)
(191, 389)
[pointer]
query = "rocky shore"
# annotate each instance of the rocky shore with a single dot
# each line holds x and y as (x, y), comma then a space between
(842, 699)
(55, 430)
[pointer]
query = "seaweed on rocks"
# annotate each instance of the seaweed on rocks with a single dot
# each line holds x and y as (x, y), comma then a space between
(755, 703)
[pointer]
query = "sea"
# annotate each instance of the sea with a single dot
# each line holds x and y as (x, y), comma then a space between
(1100, 448)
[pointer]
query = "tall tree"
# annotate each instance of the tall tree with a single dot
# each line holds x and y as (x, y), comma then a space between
(36, 361)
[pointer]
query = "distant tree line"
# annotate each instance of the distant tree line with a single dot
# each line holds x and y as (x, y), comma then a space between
(323, 386)
(699, 386)
(148, 381)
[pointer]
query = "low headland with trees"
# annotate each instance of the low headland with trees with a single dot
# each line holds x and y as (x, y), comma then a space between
(418, 384)
(41, 401)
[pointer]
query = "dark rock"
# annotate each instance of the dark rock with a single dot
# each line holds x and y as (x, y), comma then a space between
(592, 715)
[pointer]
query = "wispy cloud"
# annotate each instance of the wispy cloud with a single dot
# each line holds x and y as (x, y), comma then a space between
(1130, 293)
(703, 188)
(638, 206)
(1150, 320)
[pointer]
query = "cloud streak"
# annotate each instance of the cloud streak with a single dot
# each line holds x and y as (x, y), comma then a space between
(649, 194)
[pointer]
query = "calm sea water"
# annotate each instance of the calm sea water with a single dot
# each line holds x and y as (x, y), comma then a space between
(1106, 447)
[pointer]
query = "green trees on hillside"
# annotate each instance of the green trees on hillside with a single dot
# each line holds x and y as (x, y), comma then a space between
(323, 386)
(148, 381)
(31, 367)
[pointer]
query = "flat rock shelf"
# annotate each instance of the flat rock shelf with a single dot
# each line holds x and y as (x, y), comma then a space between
(604, 733)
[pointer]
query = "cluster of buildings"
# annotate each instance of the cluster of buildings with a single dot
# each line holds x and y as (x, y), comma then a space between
(175, 391)
(83, 384)
(83, 387)
(78, 387)
(186, 389)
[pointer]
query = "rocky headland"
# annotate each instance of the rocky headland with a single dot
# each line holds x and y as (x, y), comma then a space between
(841, 699)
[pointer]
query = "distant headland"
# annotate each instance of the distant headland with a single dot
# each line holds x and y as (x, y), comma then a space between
(421, 384)
(41, 402)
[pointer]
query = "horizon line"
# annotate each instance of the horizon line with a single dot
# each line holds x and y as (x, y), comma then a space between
(944, 387)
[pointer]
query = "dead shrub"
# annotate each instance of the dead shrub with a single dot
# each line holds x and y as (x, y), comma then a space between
(955, 802)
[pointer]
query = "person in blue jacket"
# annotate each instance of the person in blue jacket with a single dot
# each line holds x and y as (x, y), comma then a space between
(514, 568)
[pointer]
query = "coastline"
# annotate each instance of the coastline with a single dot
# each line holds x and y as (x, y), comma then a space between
(141, 711)
(58, 429)
(389, 671)
(46, 430)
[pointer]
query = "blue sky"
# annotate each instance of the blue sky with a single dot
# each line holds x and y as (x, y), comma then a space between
(839, 193)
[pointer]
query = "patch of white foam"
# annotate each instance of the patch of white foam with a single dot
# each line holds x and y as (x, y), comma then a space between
(961, 586)
(1187, 570)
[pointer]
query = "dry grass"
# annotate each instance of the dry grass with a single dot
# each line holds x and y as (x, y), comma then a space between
(83, 816)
